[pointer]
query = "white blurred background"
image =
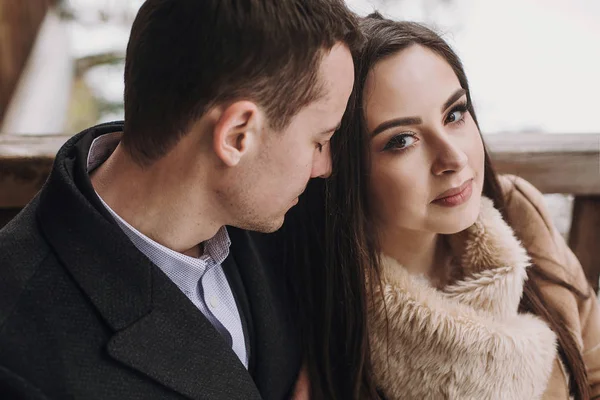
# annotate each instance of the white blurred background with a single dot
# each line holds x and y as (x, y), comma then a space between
(533, 65)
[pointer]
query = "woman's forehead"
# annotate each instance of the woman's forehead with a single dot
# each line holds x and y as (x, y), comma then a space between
(408, 81)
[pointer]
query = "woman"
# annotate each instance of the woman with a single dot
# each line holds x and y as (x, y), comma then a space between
(467, 290)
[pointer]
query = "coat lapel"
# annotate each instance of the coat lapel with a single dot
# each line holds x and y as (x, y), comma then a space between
(156, 329)
(175, 345)
(241, 300)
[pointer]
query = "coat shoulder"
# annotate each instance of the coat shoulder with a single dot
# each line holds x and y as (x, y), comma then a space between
(22, 250)
(525, 200)
(530, 218)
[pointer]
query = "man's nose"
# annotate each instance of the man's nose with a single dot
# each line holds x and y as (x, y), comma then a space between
(322, 163)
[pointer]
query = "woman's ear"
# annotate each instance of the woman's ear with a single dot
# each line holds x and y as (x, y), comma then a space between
(236, 131)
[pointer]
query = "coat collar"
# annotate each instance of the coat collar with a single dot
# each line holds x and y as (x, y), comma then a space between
(487, 244)
(468, 339)
(157, 331)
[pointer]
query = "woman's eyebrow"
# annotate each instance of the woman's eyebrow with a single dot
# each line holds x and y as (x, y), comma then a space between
(416, 120)
(455, 96)
(396, 122)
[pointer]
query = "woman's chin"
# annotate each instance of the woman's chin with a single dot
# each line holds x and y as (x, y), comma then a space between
(454, 221)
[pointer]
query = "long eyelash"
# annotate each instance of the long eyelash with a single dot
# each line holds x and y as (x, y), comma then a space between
(463, 108)
(390, 146)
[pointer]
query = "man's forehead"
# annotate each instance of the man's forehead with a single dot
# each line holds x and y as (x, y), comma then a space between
(325, 114)
(336, 74)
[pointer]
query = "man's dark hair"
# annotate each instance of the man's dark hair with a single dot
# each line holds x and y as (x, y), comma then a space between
(185, 56)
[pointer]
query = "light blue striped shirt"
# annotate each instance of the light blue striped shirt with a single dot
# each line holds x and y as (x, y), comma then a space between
(201, 279)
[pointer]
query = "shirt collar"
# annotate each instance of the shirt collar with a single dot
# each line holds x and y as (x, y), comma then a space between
(102, 147)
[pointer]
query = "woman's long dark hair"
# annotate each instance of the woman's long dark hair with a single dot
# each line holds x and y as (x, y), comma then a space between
(340, 247)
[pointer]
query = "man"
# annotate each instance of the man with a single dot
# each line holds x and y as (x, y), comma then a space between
(120, 279)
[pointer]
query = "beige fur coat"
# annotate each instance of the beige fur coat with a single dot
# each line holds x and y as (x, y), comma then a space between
(466, 341)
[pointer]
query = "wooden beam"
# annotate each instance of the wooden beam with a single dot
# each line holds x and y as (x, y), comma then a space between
(28, 147)
(553, 163)
(568, 163)
(25, 162)
(584, 237)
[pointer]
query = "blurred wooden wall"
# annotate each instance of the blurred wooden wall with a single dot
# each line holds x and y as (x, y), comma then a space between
(19, 24)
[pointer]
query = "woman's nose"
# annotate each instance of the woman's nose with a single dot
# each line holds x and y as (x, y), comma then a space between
(449, 157)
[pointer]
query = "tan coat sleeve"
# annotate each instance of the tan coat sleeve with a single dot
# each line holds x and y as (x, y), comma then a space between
(529, 217)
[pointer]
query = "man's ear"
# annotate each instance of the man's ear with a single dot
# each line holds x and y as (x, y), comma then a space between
(236, 131)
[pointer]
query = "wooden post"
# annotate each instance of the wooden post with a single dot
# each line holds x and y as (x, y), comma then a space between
(19, 24)
(584, 238)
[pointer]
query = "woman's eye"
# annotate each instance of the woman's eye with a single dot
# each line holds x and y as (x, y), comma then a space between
(399, 142)
(457, 114)
(454, 116)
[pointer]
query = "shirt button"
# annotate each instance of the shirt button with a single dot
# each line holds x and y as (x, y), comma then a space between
(214, 302)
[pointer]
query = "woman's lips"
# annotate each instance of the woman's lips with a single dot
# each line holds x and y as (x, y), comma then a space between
(456, 196)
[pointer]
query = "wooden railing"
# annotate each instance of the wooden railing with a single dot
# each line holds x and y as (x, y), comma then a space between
(560, 164)
(553, 163)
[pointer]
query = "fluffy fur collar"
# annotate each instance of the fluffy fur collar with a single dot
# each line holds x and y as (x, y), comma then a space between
(466, 341)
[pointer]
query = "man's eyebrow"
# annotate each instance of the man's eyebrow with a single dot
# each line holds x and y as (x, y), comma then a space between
(335, 128)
